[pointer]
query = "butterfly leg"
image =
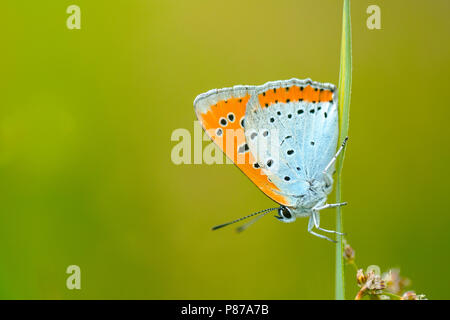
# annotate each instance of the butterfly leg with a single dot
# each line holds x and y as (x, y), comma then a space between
(325, 171)
(330, 205)
(316, 219)
(311, 224)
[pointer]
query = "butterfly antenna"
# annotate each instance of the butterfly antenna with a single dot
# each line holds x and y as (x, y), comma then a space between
(243, 218)
(249, 223)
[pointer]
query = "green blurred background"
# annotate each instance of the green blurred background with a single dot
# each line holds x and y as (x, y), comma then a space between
(86, 118)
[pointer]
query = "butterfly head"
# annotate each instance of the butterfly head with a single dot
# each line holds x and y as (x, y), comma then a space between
(285, 214)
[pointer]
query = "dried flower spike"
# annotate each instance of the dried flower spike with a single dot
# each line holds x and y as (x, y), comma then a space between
(374, 282)
(370, 283)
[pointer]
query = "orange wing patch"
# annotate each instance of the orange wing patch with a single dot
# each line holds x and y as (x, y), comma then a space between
(224, 122)
(293, 93)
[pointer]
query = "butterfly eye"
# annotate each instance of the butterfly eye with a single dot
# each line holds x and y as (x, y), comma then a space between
(285, 213)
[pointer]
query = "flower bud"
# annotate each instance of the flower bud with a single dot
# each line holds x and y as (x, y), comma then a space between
(349, 253)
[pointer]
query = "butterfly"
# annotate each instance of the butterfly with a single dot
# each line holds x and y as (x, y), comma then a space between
(283, 136)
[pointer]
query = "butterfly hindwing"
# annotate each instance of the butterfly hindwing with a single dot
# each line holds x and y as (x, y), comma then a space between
(301, 118)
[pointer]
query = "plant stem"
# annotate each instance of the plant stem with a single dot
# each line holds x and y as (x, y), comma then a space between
(354, 265)
(345, 80)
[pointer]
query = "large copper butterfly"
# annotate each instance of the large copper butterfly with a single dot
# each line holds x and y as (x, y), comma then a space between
(283, 135)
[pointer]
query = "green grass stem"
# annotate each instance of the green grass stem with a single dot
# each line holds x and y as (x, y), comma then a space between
(345, 83)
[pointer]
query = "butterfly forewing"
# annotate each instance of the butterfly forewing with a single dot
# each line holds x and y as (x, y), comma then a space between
(222, 115)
